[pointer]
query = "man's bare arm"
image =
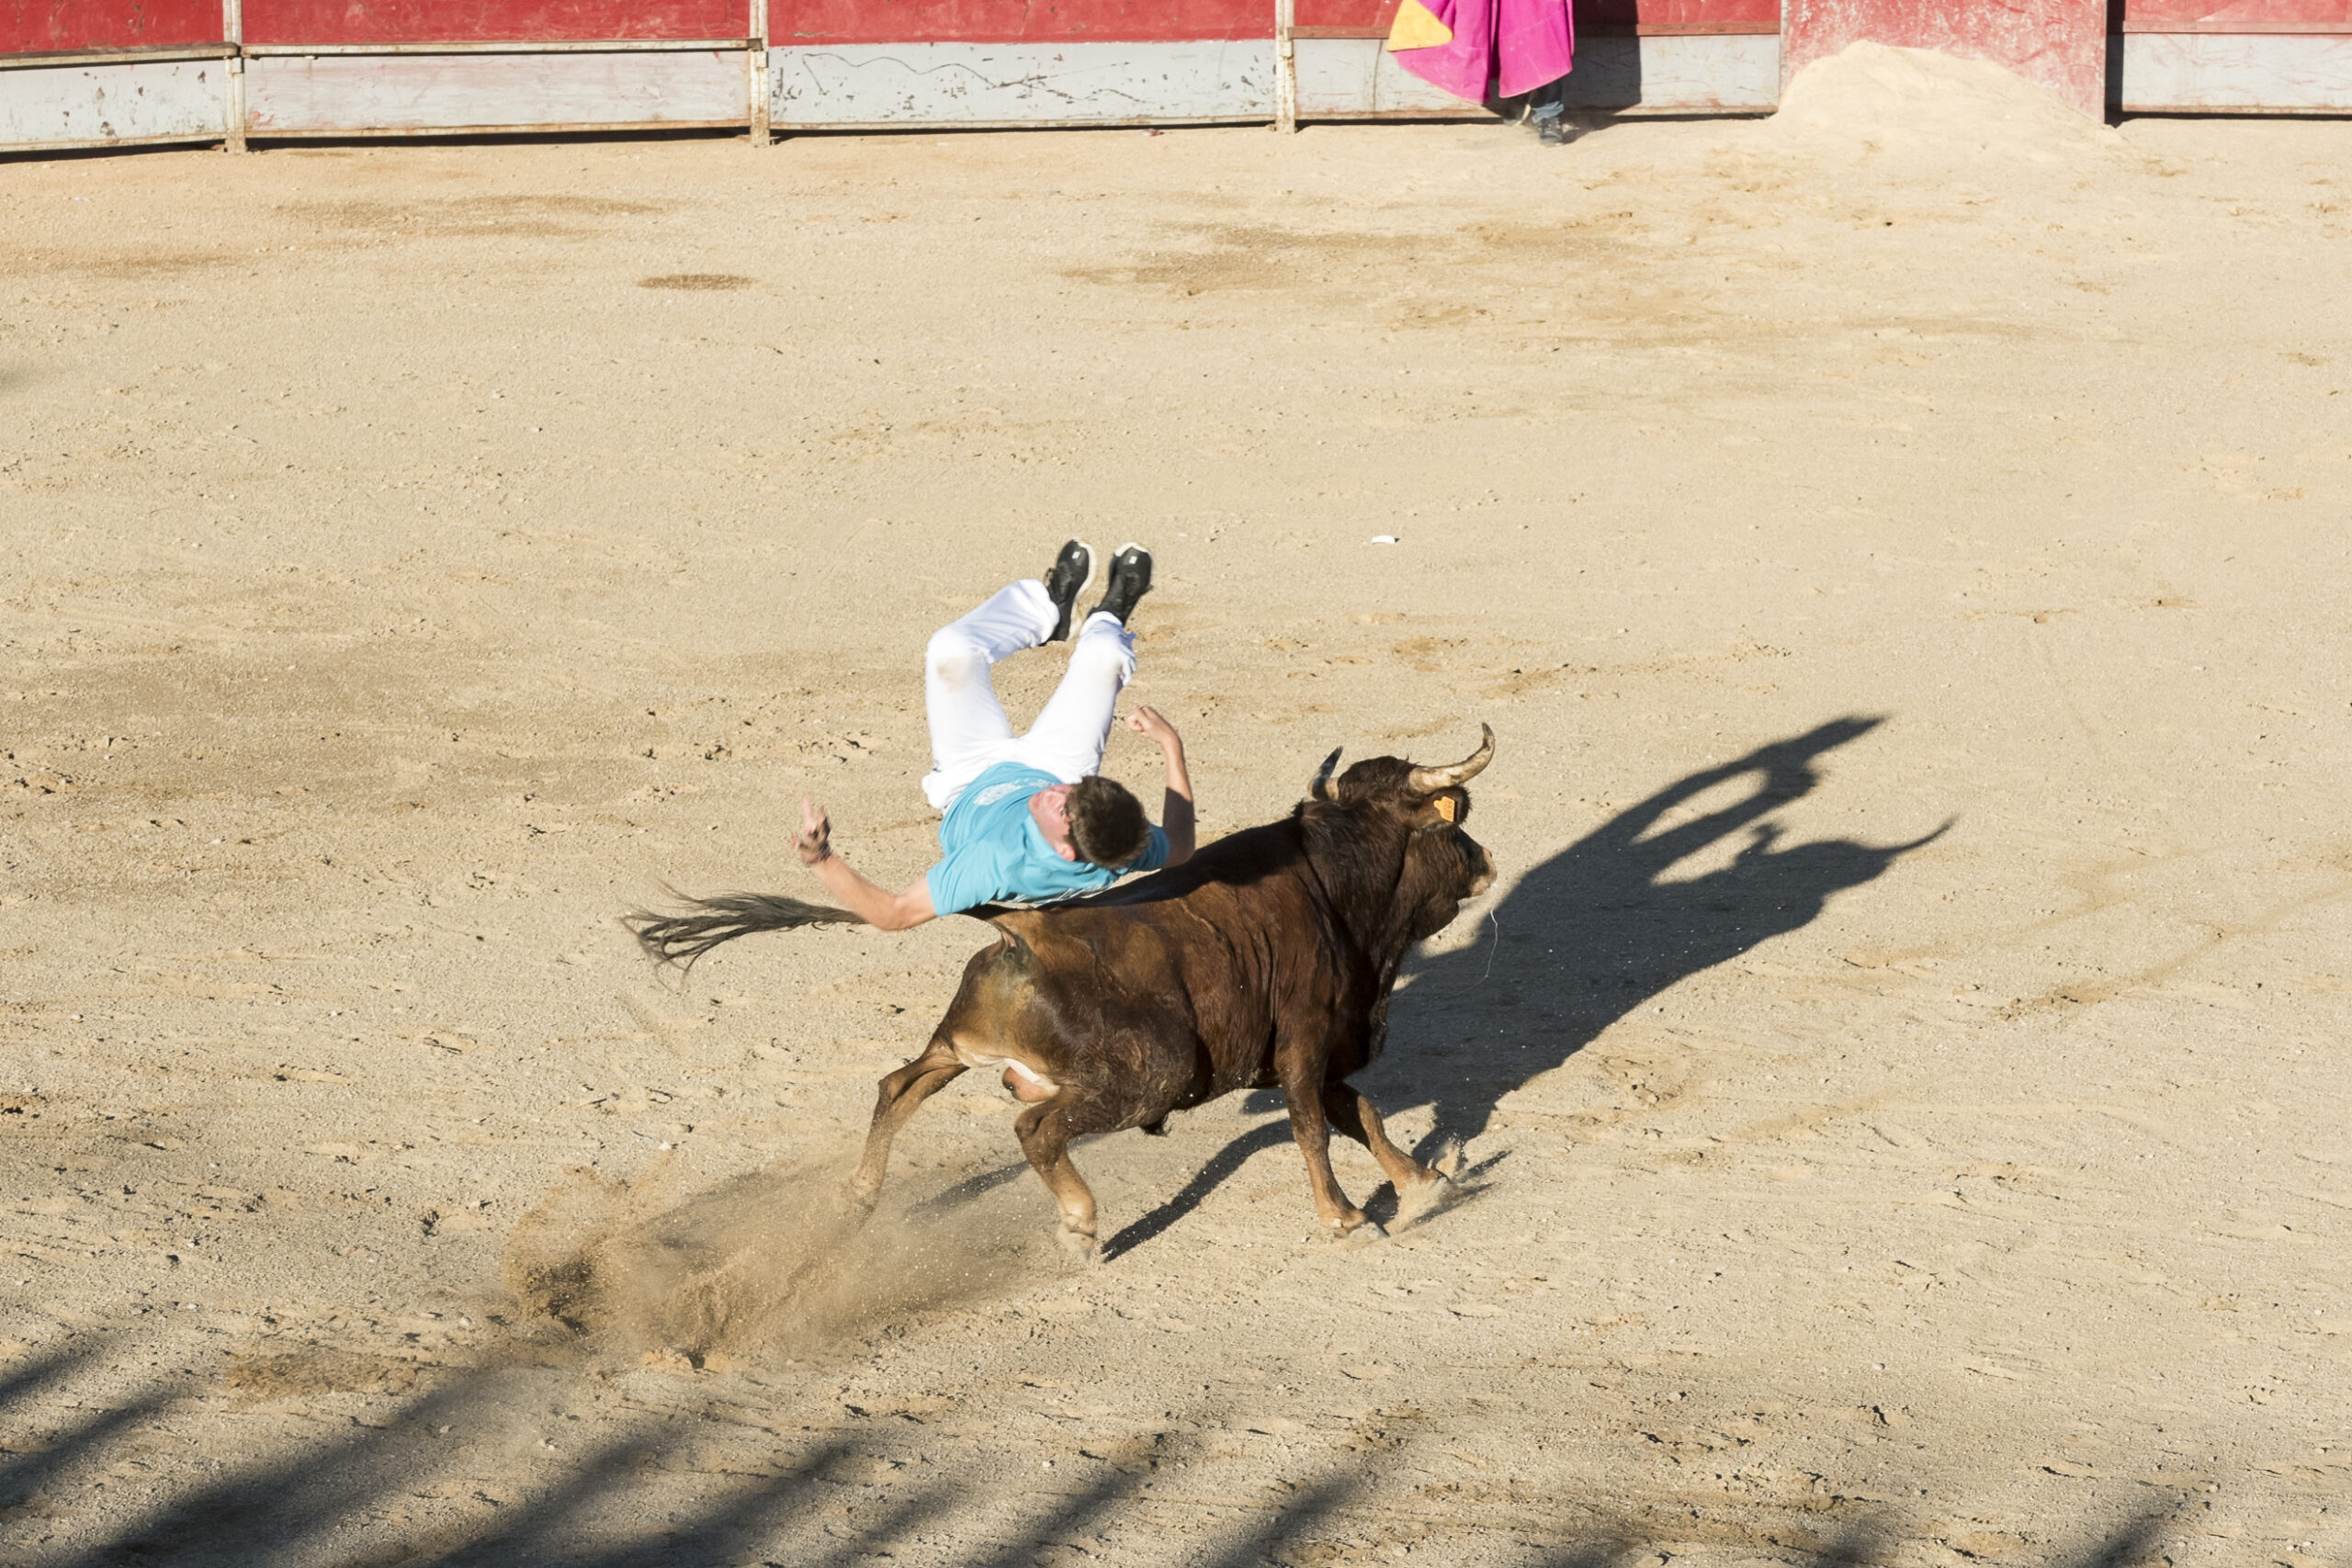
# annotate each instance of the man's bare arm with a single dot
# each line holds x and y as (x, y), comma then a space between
(1176, 806)
(877, 907)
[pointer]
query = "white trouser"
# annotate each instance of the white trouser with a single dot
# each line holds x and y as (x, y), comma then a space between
(969, 732)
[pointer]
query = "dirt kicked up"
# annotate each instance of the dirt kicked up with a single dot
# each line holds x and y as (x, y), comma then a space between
(415, 556)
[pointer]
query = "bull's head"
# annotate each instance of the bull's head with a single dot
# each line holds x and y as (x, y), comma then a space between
(1444, 865)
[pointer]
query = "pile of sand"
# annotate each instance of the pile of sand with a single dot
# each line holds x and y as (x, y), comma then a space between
(1915, 105)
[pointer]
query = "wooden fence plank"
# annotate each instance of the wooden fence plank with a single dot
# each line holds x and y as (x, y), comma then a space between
(318, 95)
(102, 105)
(1022, 84)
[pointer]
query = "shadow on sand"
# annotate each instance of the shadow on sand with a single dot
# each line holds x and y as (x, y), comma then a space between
(1581, 941)
(352, 1499)
(1602, 927)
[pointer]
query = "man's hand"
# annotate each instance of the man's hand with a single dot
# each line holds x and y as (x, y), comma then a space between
(816, 841)
(882, 910)
(1150, 724)
(1176, 806)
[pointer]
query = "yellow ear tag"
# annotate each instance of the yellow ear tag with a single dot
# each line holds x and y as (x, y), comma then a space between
(1444, 803)
(1416, 27)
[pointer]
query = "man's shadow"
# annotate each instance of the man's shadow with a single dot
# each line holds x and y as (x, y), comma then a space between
(1602, 927)
(1584, 938)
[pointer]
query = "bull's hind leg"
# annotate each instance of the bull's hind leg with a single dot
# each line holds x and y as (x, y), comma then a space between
(1356, 1117)
(902, 1093)
(1045, 1132)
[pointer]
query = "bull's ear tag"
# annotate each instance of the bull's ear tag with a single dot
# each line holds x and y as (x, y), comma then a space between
(1445, 808)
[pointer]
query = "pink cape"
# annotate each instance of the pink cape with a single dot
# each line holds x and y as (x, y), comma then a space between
(1525, 42)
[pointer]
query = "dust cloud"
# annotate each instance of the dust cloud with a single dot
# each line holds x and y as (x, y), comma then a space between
(775, 1261)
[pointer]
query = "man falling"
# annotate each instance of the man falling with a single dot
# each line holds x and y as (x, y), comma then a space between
(1027, 817)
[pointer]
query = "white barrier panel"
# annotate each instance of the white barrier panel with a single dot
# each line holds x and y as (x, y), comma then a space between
(1694, 73)
(409, 94)
(1351, 77)
(2240, 73)
(102, 103)
(879, 85)
(1342, 78)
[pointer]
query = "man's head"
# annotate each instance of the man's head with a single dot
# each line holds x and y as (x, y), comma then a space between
(1095, 819)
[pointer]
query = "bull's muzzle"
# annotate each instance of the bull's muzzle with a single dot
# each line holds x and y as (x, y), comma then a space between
(1483, 876)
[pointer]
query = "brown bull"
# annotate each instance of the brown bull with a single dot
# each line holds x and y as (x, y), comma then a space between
(1266, 960)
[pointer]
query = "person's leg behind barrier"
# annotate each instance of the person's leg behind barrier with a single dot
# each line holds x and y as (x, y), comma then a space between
(1068, 739)
(1547, 106)
(969, 730)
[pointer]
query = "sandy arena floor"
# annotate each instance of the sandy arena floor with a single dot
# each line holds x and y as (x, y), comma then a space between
(1902, 1076)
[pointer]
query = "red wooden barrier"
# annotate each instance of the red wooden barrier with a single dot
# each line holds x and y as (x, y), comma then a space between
(96, 72)
(492, 21)
(48, 26)
(2237, 15)
(1669, 18)
(1594, 18)
(2234, 56)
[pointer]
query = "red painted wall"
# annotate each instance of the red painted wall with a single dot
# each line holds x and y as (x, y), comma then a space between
(795, 22)
(1698, 16)
(42, 27)
(2059, 43)
(1366, 16)
(490, 21)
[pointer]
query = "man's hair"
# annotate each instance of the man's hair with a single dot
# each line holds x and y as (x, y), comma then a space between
(1106, 823)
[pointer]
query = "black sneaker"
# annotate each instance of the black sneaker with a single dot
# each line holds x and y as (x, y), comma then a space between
(1130, 580)
(1555, 131)
(1072, 570)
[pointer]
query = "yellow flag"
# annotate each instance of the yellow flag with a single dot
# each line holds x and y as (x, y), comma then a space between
(1417, 28)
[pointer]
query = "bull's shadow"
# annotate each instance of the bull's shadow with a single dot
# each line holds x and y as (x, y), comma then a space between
(1601, 927)
(1582, 940)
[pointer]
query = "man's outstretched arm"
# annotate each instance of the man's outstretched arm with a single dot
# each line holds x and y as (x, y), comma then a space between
(877, 907)
(1176, 806)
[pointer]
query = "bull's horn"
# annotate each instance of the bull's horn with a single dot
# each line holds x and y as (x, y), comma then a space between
(1322, 788)
(1429, 780)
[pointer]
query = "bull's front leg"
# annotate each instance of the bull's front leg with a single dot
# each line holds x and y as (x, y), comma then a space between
(1356, 1117)
(1313, 1130)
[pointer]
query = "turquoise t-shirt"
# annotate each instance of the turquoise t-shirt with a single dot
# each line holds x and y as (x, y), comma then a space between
(995, 849)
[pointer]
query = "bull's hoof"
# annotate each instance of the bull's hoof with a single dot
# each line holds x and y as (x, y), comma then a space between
(1155, 1129)
(858, 1200)
(1352, 1224)
(1078, 1250)
(1370, 1231)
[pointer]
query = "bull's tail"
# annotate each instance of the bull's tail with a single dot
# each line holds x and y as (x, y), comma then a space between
(682, 938)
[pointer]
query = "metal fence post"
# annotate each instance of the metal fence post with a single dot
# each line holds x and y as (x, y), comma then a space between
(232, 75)
(756, 71)
(1286, 67)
